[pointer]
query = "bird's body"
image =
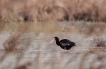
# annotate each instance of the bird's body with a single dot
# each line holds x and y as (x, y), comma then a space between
(64, 43)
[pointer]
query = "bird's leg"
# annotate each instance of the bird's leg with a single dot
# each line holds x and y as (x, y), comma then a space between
(64, 48)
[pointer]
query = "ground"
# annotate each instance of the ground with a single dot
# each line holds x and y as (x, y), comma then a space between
(26, 45)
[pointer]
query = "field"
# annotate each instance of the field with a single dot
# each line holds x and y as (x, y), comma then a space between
(27, 27)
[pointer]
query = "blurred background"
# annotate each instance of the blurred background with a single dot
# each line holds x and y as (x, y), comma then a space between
(27, 27)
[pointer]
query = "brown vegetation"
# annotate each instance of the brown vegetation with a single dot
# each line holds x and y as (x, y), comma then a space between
(12, 43)
(25, 66)
(40, 10)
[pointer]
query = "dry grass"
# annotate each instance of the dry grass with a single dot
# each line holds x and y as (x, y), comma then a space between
(2, 25)
(92, 28)
(39, 10)
(12, 43)
(99, 42)
(25, 66)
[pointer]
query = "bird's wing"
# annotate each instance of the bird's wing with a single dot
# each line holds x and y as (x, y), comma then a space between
(65, 42)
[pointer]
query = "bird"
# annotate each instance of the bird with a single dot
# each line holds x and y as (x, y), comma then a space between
(64, 43)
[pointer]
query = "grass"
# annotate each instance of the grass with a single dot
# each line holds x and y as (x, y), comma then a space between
(12, 43)
(39, 10)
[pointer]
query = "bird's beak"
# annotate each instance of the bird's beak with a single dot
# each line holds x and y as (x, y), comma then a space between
(51, 41)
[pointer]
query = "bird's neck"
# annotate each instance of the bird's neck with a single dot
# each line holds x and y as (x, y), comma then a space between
(58, 43)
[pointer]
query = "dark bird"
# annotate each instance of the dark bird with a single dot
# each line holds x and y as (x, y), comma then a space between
(64, 43)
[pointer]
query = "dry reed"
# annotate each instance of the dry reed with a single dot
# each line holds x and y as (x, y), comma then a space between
(12, 43)
(39, 10)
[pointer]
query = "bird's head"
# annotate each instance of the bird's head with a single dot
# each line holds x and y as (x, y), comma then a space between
(55, 38)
